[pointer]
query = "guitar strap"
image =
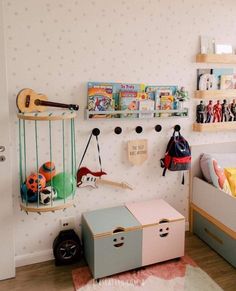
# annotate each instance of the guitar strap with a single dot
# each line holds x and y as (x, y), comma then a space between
(86, 148)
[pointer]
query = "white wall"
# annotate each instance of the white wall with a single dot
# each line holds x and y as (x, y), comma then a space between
(57, 46)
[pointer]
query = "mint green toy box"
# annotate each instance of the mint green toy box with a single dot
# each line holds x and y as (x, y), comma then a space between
(112, 240)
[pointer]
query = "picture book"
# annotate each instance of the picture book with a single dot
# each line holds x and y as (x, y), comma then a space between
(146, 105)
(100, 99)
(128, 101)
(234, 81)
(226, 82)
(166, 103)
(218, 72)
(142, 96)
(201, 72)
(163, 91)
(117, 88)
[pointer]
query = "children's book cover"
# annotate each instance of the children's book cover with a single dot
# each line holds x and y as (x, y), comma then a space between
(146, 105)
(218, 72)
(128, 101)
(226, 82)
(117, 88)
(100, 99)
(166, 103)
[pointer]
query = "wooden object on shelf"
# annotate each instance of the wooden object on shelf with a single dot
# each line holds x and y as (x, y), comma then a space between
(215, 94)
(216, 58)
(216, 126)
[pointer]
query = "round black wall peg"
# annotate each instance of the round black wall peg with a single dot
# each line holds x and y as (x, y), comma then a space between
(177, 127)
(158, 128)
(118, 130)
(96, 131)
(139, 129)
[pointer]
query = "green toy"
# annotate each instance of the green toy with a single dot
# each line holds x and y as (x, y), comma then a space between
(65, 184)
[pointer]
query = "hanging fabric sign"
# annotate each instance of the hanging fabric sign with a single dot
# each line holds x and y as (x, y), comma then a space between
(137, 151)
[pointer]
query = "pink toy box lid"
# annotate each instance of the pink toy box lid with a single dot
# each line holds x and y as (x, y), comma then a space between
(153, 211)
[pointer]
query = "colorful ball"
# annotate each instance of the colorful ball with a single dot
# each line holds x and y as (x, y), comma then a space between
(35, 182)
(47, 195)
(48, 170)
(64, 184)
(28, 195)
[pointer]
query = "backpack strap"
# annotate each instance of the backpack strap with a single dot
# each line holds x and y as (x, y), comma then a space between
(164, 172)
(182, 179)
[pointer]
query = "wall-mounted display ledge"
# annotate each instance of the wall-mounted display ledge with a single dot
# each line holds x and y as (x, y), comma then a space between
(217, 126)
(215, 94)
(128, 114)
(214, 58)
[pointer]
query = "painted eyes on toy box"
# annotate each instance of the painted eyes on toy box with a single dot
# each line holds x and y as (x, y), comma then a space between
(118, 242)
(164, 230)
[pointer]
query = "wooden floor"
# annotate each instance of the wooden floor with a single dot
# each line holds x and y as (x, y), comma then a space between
(47, 277)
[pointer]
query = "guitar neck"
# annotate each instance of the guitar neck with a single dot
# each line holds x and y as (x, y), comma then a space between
(56, 104)
(115, 184)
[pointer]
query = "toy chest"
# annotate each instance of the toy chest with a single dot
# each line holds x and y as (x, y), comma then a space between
(163, 230)
(112, 240)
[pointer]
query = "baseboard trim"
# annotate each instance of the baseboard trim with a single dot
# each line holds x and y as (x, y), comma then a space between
(37, 257)
(46, 255)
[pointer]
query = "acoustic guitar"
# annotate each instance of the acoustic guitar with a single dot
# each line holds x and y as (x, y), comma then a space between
(28, 100)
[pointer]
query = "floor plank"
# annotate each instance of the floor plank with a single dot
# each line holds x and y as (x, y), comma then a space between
(47, 277)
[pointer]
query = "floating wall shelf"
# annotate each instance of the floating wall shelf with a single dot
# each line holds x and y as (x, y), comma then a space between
(215, 94)
(216, 126)
(216, 58)
(118, 113)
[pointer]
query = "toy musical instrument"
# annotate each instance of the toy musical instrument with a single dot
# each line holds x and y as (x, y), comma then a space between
(28, 100)
(85, 178)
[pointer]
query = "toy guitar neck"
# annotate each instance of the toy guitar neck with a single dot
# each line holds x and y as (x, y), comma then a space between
(29, 101)
(115, 184)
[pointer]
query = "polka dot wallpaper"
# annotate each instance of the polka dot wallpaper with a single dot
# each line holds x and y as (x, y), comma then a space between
(56, 47)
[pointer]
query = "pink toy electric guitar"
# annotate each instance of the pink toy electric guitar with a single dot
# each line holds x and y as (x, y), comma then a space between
(87, 178)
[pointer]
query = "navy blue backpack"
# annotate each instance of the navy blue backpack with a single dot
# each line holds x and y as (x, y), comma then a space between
(178, 155)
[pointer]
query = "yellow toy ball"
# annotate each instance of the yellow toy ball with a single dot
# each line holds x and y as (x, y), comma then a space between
(35, 182)
(48, 170)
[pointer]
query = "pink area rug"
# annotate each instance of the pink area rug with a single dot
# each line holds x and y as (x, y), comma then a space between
(176, 275)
